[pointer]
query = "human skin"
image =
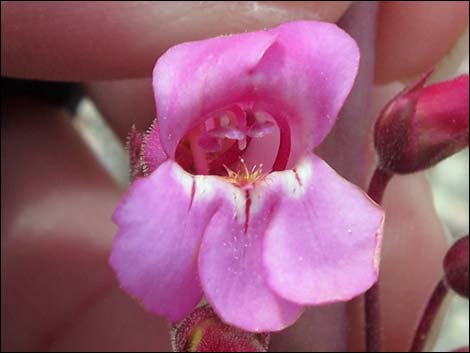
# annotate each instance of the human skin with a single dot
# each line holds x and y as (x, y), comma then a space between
(58, 292)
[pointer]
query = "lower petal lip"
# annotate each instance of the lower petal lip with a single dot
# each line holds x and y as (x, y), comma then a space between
(247, 248)
(321, 245)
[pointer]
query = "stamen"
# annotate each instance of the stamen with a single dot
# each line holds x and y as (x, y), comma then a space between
(244, 177)
(229, 132)
(261, 129)
(224, 120)
(242, 144)
(199, 154)
(230, 156)
(210, 143)
(225, 135)
(209, 124)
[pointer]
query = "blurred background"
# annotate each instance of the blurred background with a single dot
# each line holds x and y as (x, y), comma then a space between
(449, 180)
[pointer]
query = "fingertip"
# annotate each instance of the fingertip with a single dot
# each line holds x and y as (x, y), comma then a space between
(58, 291)
(413, 35)
(90, 40)
(124, 103)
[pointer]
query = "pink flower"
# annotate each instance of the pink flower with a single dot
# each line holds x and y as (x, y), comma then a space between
(208, 222)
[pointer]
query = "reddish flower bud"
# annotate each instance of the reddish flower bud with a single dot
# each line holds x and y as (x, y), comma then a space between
(456, 267)
(423, 125)
(203, 331)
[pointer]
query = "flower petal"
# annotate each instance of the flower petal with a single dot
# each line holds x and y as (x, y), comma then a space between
(161, 221)
(307, 74)
(231, 268)
(300, 72)
(194, 79)
(323, 240)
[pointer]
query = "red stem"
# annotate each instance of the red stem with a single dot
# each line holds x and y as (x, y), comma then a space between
(378, 184)
(372, 312)
(428, 317)
(376, 190)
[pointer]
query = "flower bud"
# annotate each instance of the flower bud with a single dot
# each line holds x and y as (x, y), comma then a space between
(456, 267)
(203, 331)
(423, 125)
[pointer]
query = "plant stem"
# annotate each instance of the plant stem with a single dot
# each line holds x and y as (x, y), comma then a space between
(376, 190)
(372, 311)
(378, 183)
(427, 320)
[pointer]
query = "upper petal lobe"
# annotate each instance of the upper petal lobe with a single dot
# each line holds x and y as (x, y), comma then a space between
(194, 79)
(306, 75)
(301, 72)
